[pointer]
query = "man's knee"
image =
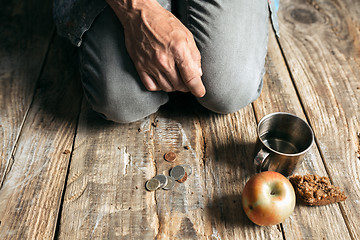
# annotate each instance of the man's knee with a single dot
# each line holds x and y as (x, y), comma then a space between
(126, 108)
(110, 81)
(230, 96)
(115, 114)
(118, 94)
(233, 55)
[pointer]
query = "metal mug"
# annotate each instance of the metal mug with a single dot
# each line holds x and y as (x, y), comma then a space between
(284, 139)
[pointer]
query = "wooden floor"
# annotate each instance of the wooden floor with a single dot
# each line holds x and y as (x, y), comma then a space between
(65, 173)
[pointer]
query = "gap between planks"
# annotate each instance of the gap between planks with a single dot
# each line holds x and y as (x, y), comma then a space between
(346, 220)
(11, 159)
(58, 218)
(344, 215)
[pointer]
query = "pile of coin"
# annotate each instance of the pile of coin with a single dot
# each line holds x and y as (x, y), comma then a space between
(160, 181)
(178, 173)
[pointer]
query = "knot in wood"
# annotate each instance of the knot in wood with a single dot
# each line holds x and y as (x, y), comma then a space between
(303, 15)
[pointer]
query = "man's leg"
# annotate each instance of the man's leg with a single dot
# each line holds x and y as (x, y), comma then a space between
(111, 83)
(232, 38)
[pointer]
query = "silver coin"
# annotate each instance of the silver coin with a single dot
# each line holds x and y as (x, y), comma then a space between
(152, 184)
(177, 172)
(187, 168)
(162, 178)
(170, 183)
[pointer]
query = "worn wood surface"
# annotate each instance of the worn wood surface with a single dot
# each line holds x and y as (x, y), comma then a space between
(278, 96)
(95, 190)
(230, 144)
(25, 33)
(31, 193)
(320, 41)
(208, 204)
(105, 195)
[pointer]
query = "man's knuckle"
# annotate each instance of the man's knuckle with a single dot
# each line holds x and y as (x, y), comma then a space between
(178, 48)
(162, 59)
(189, 34)
(189, 79)
(197, 55)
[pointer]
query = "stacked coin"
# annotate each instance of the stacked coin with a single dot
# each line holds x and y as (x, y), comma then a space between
(160, 181)
(152, 184)
(170, 184)
(187, 169)
(178, 173)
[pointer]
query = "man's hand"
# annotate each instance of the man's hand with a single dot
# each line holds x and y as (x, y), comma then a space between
(162, 48)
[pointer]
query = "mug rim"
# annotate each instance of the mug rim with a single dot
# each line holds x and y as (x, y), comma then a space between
(292, 115)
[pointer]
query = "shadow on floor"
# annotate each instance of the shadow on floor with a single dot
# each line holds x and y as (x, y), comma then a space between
(59, 92)
(228, 209)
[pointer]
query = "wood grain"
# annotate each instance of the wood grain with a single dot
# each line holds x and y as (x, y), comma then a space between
(208, 204)
(313, 75)
(182, 210)
(320, 40)
(31, 193)
(25, 33)
(279, 95)
(105, 197)
(228, 164)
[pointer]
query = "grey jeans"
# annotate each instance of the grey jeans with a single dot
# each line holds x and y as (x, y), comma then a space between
(231, 36)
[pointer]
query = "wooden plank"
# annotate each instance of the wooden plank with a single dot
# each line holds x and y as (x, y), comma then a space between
(182, 211)
(208, 204)
(105, 196)
(320, 40)
(31, 193)
(279, 95)
(25, 33)
(228, 164)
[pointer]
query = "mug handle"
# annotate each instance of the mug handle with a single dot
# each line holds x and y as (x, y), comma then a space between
(260, 159)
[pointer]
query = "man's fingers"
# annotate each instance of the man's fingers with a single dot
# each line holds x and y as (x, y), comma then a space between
(166, 65)
(191, 72)
(149, 83)
(154, 81)
(164, 83)
(175, 78)
(196, 87)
